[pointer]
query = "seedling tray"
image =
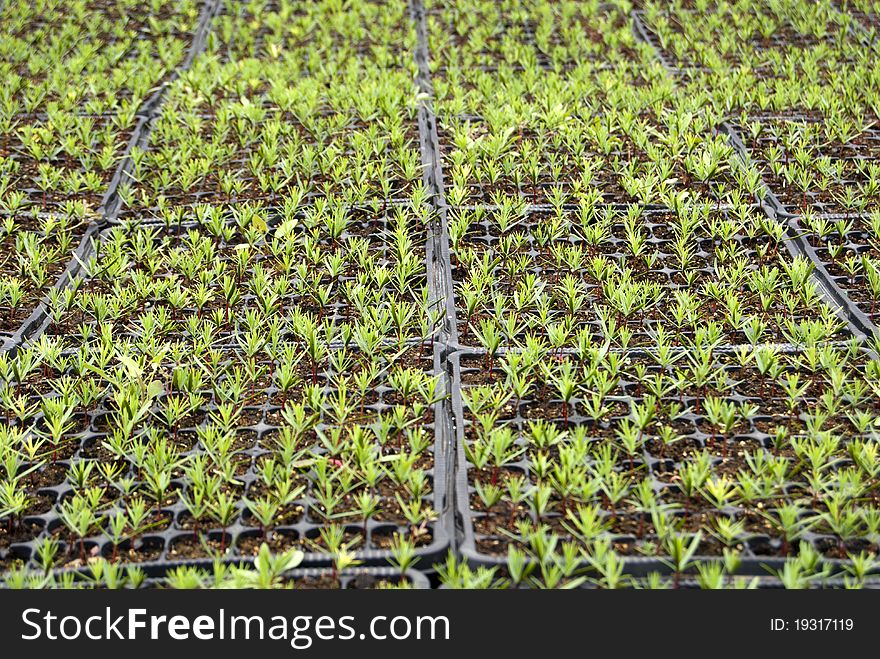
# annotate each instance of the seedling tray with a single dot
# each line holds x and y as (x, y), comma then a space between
(232, 62)
(483, 239)
(759, 553)
(858, 321)
(860, 149)
(859, 240)
(37, 319)
(801, 241)
(172, 541)
(187, 242)
(569, 37)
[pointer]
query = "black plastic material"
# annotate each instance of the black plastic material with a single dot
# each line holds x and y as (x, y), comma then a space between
(442, 475)
(798, 245)
(751, 565)
(438, 256)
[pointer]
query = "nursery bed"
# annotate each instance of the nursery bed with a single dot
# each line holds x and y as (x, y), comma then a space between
(59, 147)
(516, 293)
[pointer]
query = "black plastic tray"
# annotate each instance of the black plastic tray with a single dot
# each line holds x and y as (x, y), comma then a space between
(798, 245)
(438, 255)
(636, 566)
(441, 474)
